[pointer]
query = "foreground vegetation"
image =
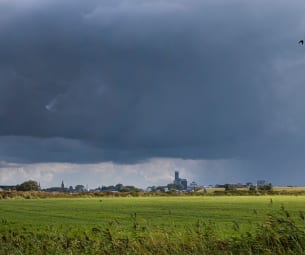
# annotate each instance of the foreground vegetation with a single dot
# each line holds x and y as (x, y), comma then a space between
(154, 225)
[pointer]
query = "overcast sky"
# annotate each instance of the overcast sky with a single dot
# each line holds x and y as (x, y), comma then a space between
(99, 92)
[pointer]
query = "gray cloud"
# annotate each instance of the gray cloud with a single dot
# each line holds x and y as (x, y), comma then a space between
(131, 80)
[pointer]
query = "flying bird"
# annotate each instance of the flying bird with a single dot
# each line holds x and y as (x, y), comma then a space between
(301, 42)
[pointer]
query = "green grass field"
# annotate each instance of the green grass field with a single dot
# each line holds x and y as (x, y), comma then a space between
(178, 212)
(151, 217)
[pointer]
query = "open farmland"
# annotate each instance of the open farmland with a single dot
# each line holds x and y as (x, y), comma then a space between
(132, 225)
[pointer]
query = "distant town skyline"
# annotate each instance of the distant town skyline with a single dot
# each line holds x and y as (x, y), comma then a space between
(126, 91)
(177, 184)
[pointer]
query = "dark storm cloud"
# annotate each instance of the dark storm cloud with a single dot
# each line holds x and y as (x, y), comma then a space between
(129, 80)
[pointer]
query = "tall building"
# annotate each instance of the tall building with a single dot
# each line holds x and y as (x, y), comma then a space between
(180, 181)
(176, 175)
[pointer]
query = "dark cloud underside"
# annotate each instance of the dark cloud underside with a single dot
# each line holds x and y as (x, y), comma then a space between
(130, 80)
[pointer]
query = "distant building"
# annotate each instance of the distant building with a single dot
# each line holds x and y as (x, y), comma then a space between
(193, 185)
(261, 182)
(184, 183)
(176, 175)
(180, 181)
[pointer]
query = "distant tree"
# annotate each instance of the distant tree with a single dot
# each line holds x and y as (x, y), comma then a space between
(129, 189)
(119, 187)
(173, 186)
(252, 187)
(108, 188)
(160, 189)
(28, 186)
(198, 188)
(230, 187)
(267, 186)
(79, 188)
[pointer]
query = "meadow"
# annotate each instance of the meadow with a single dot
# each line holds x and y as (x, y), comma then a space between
(154, 225)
